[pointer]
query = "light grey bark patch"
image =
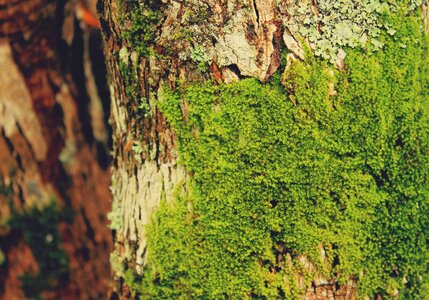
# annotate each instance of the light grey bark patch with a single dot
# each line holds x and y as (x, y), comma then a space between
(241, 33)
(136, 198)
(16, 106)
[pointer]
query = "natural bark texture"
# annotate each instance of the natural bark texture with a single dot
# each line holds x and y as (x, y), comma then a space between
(53, 145)
(139, 180)
(151, 46)
(244, 38)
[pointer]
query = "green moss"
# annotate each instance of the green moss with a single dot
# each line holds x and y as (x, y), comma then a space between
(139, 22)
(137, 105)
(39, 228)
(2, 257)
(200, 57)
(129, 75)
(278, 172)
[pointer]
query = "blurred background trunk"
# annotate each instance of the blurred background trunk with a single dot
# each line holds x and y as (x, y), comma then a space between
(54, 152)
(170, 53)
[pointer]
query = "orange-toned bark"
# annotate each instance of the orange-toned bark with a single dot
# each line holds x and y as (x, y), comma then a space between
(47, 148)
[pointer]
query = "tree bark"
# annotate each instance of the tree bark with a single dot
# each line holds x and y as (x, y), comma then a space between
(54, 175)
(154, 48)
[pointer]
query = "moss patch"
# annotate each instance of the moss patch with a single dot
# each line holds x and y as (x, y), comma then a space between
(338, 23)
(39, 228)
(282, 172)
(139, 20)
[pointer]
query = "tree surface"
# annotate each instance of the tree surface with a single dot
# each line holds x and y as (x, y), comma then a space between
(269, 149)
(54, 197)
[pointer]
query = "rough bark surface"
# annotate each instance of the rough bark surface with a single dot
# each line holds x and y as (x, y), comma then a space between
(236, 39)
(48, 156)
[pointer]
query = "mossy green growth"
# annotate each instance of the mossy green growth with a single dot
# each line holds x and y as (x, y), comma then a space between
(137, 104)
(278, 173)
(139, 23)
(130, 81)
(2, 257)
(39, 228)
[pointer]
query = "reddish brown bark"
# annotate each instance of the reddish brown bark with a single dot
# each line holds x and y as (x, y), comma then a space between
(48, 149)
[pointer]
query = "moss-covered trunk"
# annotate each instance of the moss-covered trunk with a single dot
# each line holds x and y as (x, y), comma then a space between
(269, 149)
(54, 196)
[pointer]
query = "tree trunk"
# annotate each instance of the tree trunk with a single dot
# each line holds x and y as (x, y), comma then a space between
(54, 179)
(268, 149)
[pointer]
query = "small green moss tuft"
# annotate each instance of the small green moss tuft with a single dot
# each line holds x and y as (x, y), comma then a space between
(2, 257)
(200, 57)
(139, 23)
(39, 228)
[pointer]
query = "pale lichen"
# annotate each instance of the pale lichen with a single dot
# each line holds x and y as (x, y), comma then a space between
(329, 26)
(135, 198)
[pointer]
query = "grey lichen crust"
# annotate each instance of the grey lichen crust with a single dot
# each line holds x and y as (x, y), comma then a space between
(330, 25)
